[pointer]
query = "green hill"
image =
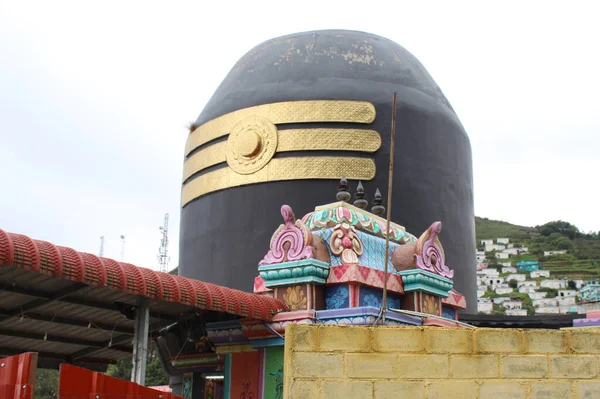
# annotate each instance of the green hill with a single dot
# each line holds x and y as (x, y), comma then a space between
(582, 259)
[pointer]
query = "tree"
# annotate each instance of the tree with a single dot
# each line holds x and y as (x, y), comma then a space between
(559, 226)
(46, 384)
(513, 284)
(572, 285)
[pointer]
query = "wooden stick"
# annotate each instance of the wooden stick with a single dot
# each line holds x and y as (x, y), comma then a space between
(389, 208)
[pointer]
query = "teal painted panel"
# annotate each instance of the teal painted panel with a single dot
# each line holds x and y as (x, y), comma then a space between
(273, 373)
(227, 377)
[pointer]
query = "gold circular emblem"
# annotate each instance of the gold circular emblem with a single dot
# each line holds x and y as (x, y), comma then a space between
(251, 145)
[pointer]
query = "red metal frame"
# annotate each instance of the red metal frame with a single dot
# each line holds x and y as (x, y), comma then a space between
(77, 383)
(17, 376)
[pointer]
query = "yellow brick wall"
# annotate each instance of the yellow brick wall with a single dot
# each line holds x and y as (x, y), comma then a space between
(430, 362)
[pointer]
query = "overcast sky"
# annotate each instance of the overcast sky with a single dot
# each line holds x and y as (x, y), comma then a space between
(94, 99)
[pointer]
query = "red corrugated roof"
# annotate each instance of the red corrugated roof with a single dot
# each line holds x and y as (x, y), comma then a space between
(43, 257)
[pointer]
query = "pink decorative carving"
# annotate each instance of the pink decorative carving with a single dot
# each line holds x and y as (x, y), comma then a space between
(344, 241)
(291, 241)
(430, 254)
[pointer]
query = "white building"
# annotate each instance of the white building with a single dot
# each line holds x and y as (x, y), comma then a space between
(536, 294)
(484, 305)
(579, 283)
(527, 283)
(501, 255)
(523, 250)
(545, 302)
(488, 272)
(566, 301)
(516, 276)
(539, 273)
(501, 299)
(567, 293)
(503, 290)
(480, 293)
(527, 290)
(510, 245)
(498, 247)
(495, 281)
(487, 243)
(502, 240)
(508, 269)
(480, 255)
(516, 312)
(555, 284)
(560, 252)
(511, 251)
(548, 310)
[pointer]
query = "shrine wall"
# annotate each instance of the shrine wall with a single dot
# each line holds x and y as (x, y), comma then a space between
(433, 362)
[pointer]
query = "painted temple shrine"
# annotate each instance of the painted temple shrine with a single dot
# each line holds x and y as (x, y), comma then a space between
(326, 268)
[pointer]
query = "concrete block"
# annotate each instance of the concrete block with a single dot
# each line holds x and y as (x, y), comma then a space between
(303, 389)
(576, 366)
(304, 338)
(399, 389)
(345, 389)
(528, 366)
(453, 389)
(587, 389)
(398, 339)
(344, 338)
(502, 389)
(545, 341)
(498, 340)
(585, 341)
(475, 366)
(314, 364)
(371, 365)
(448, 340)
(423, 366)
(550, 390)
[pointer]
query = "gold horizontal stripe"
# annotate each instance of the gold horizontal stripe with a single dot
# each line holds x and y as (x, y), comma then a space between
(284, 112)
(281, 169)
(293, 140)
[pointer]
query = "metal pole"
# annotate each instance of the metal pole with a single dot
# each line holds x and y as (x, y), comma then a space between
(140, 340)
(389, 208)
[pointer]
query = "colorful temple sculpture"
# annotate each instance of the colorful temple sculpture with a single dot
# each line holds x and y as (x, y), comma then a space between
(296, 114)
(328, 267)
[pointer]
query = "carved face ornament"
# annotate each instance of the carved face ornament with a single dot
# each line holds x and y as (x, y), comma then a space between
(344, 242)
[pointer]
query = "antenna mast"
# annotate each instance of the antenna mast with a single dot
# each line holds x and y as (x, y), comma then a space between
(101, 252)
(163, 250)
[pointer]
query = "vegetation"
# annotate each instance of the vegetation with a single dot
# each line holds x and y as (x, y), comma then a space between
(582, 260)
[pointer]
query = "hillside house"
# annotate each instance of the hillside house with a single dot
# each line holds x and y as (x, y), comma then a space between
(488, 272)
(502, 240)
(510, 246)
(481, 292)
(527, 265)
(528, 290)
(545, 302)
(503, 290)
(552, 283)
(516, 312)
(566, 301)
(527, 283)
(508, 269)
(567, 293)
(547, 310)
(498, 247)
(536, 294)
(501, 255)
(484, 305)
(559, 252)
(487, 243)
(500, 300)
(579, 283)
(539, 273)
(511, 251)
(480, 255)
